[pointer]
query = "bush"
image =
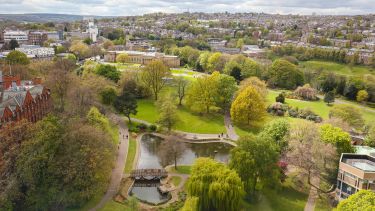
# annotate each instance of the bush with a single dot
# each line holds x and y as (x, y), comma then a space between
(142, 126)
(152, 128)
(281, 98)
(277, 109)
(304, 114)
(306, 92)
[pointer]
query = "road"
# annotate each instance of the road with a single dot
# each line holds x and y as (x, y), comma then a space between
(118, 171)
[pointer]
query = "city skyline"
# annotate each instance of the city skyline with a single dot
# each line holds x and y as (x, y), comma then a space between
(132, 7)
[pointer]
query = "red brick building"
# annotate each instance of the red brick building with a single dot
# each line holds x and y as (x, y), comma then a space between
(24, 100)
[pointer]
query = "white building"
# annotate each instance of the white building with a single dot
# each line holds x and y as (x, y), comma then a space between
(93, 31)
(20, 36)
(36, 51)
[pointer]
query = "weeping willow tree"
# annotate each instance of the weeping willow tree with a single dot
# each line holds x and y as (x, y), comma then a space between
(215, 185)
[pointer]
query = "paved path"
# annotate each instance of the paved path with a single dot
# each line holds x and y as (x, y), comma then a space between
(313, 195)
(117, 172)
(229, 126)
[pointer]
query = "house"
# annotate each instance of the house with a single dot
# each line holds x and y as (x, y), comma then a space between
(23, 100)
(356, 172)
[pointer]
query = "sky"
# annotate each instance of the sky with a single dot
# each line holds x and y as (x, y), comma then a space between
(139, 7)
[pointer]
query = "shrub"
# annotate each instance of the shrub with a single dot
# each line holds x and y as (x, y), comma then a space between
(304, 114)
(142, 126)
(281, 98)
(277, 109)
(152, 128)
(306, 92)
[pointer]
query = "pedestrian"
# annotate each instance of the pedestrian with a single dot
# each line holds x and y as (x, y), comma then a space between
(222, 134)
(219, 135)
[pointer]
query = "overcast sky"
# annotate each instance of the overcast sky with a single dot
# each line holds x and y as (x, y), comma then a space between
(138, 7)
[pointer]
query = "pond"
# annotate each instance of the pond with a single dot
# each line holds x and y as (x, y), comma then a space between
(149, 159)
(150, 145)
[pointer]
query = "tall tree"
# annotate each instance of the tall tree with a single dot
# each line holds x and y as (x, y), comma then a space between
(329, 97)
(226, 87)
(171, 149)
(255, 160)
(284, 74)
(168, 112)
(202, 93)
(312, 156)
(154, 76)
(182, 85)
(13, 44)
(216, 186)
(122, 58)
(248, 106)
(278, 130)
(126, 103)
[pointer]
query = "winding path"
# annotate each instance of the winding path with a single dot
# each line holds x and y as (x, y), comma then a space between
(117, 172)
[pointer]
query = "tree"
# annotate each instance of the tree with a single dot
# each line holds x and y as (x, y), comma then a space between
(278, 130)
(13, 44)
(191, 204)
(215, 62)
(337, 137)
(248, 106)
(171, 149)
(370, 137)
(312, 156)
(347, 113)
(154, 76)
(108, 44)
(49, 177)
(95, 118)
(88, 41)
(362, 96)
(122, 58)
(126, 103)
(361, 200)
(168, 112)
(284, 74)
(108, 95)
(59, 80)
(80, 49)
(250, 68)
(329, 97)
(226, 87)
(17, 57)
(202, 93)
(216, 186)
(181, 84)
(108, 71)
(255, 160)
(255, 82)
(233, 69)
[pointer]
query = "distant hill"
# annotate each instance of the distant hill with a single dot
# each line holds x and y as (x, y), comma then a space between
(44, 17)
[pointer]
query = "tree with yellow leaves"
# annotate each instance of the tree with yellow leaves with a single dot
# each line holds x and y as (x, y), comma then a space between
(249, 106)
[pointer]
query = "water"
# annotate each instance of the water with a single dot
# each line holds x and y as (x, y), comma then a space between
(149, 152)
(149, 159)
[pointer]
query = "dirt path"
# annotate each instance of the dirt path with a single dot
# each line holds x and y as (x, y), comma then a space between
(117, 172)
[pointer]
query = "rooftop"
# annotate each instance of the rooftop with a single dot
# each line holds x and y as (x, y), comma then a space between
(360, 161)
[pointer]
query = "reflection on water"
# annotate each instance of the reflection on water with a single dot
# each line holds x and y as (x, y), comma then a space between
(147, 191)
(150, 145)
(149, 159)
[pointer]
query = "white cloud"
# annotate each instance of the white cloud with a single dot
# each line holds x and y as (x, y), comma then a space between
(137, 7)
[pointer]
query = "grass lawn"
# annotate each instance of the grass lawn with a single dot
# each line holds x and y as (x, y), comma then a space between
(176, 180)
(180, 169)
(342, 69)
(114, 206)
(286, 199)
(131, 155)
(188, 121)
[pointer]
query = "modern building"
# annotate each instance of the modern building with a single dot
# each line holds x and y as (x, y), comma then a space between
(356, 172)
(20, 36)
(143, 58)
(23, 100)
